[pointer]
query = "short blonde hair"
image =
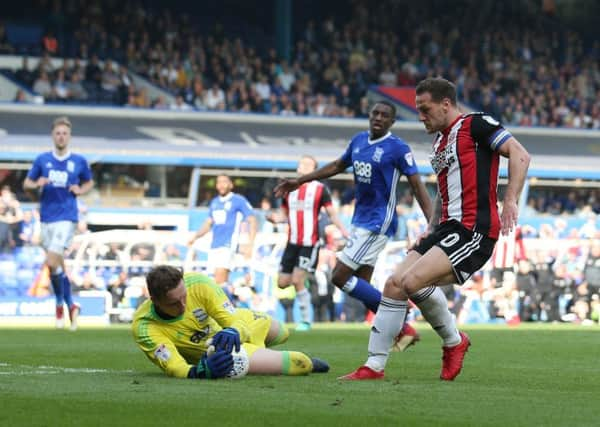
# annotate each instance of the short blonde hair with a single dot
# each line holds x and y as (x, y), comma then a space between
(63, 120)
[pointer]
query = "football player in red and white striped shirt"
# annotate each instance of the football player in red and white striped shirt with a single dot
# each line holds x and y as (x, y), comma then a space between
(463, 230)
(300, 257)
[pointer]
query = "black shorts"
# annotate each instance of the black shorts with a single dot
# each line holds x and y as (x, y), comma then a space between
(467, 250)
(296, 256)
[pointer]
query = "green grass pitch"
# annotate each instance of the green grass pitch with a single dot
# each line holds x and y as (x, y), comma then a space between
(534, 375)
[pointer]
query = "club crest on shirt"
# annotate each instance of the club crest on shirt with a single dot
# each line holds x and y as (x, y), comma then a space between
(70, 166)
(356, 150)
(200, 315)
(200, 335)
(229, 307)
(377, 154)
(49, 165)
(409, 159)
(227, 206)
(162, 353)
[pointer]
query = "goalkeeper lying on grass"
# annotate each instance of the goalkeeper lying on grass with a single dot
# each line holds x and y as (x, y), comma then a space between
(190, 329)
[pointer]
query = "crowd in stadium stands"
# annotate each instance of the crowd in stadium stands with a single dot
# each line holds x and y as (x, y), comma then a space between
(508, 58)
(566, 201)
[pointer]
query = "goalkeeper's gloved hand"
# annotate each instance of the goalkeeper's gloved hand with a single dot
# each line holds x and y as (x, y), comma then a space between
(217, 365)
(227, 339)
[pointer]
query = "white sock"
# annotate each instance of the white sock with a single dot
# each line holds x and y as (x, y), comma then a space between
(303, 298)
(434, 306)
(387, 324)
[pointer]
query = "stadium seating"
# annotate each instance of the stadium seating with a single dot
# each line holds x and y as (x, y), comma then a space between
(332, 64)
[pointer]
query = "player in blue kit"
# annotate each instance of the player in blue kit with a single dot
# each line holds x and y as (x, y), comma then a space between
(378, 159)
(226, 213)
(60, 176)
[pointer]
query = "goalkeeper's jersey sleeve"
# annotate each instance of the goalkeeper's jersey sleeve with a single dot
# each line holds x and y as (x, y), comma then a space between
(175, 345)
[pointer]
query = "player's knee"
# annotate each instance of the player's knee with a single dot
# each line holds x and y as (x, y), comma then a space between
(53, 264)
(283, 282)
(394, 287)
(282, 336)
(278, 334)
(393, 282)
(410, 283)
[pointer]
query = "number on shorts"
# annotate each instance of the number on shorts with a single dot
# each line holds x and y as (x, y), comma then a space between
(450, 240)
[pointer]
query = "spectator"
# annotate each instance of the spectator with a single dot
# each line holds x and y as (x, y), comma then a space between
(117, 286)
(215, 98)
(286, 77)
(125, 83)
(262, 88)
(179, 104)
(60, 88)
(160, 103)
(49, 43)
(42, 86)
(109, 81)
(75, 88)
(93, 72)
(195, 95)
(6, 238)
(24, 74)
(20, 96)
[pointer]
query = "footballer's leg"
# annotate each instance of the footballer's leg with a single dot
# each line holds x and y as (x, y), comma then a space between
(344, 278)
(264, 361)
(433, 305)
(433, 267)
(278, 333)
(74, 311)
(302, 297)
(54, 263)
(354, 267)
(264, 330)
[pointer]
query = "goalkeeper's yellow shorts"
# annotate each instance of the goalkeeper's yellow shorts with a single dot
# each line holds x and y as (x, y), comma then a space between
(258, 326)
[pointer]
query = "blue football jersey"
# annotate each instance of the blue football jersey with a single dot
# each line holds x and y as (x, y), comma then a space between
(57, 203)
(227, 214)
(377, 166)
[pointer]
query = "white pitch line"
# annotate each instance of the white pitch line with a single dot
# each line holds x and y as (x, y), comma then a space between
(53, 370)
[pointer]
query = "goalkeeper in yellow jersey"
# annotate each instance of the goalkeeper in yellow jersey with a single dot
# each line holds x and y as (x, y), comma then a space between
(188, 312)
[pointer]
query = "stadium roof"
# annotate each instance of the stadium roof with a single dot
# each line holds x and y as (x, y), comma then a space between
(121, 135)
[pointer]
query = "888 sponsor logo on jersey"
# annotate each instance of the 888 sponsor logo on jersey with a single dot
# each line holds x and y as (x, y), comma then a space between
(58, 178)
(362, 170)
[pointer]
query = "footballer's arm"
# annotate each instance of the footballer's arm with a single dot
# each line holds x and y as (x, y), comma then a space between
(330, 169)
(205, 228)
(162, 352)
(218, 306)
(83, 188)
(420, 192)
(335, 220)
